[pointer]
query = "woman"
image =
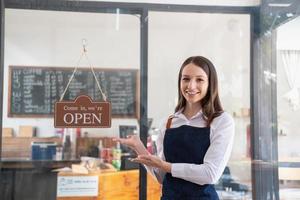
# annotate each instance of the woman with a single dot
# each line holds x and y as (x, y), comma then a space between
(194, 144)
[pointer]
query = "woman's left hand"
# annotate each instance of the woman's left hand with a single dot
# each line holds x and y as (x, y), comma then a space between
(153, 161)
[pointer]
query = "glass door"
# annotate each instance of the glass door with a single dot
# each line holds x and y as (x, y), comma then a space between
(42, 49)
(225, 40)
(288, 107)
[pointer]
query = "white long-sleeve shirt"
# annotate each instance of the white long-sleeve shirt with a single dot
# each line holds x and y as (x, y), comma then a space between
(216, 157)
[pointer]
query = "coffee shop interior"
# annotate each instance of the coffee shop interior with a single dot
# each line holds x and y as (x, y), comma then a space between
(134, 50)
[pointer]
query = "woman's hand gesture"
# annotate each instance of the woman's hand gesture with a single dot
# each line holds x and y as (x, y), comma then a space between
(144, 157)
(133, 142)
(153, 161)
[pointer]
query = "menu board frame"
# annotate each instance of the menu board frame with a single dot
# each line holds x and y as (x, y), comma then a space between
(70, 69)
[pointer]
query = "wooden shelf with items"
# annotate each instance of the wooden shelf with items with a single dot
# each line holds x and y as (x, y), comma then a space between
(84, 144)
(122, 185)
(20, 147)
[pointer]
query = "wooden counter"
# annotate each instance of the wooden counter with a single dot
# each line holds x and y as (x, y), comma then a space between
(123, 185)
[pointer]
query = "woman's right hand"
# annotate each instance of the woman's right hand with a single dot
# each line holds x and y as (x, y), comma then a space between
(132, 141)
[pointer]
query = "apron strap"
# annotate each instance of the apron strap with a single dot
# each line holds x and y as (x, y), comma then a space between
(169, 122)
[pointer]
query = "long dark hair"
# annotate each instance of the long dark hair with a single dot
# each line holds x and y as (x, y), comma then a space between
(210, 104)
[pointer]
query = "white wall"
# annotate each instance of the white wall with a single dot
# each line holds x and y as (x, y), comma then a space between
(288, 34)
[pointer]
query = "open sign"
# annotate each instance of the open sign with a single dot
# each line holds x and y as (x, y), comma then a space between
(82, 113)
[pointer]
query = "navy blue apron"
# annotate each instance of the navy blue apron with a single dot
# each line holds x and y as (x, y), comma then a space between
(186, 144)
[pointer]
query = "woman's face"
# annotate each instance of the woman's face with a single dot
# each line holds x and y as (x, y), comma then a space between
(193, 83)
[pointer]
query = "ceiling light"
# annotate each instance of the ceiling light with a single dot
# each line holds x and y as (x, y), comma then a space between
(279, 4)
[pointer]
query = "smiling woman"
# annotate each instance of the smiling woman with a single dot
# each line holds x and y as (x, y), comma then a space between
(198, 82)
(194, 83)
(194, 143)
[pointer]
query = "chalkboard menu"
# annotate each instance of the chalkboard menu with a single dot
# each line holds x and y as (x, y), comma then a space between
(33, 91)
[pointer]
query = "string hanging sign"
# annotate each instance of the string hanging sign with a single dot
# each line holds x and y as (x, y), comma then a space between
(83, 112)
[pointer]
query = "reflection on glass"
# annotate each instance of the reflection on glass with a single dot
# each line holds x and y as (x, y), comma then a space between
(288, 107)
